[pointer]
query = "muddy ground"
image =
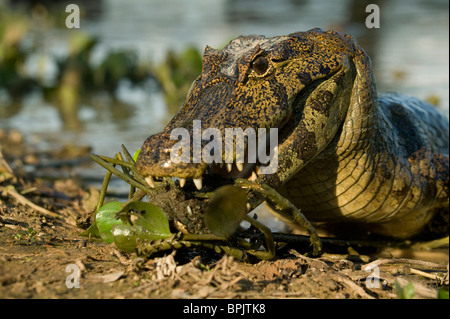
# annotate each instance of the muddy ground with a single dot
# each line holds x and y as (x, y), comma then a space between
(43, 255)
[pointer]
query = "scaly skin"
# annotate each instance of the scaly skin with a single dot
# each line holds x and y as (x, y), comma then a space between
(345, 155)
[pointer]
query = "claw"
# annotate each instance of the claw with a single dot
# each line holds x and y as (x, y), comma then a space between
(182, 182)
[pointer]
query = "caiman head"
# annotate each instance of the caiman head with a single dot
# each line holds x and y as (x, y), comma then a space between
(300, 84)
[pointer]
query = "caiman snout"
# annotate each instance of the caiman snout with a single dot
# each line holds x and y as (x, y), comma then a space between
(187, 156)
(155, 161)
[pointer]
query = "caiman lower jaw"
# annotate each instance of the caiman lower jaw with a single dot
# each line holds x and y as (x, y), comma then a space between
(224, 170)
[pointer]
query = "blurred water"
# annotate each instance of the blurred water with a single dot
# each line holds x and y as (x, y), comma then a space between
(409, 53)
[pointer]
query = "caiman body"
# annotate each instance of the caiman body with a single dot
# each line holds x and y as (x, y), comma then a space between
(345, 154)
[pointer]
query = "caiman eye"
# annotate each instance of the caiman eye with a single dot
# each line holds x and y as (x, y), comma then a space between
(260, 65)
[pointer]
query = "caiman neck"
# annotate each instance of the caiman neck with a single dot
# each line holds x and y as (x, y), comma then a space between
(361, 125)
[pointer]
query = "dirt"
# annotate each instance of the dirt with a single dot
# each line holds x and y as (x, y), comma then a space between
(43, 255)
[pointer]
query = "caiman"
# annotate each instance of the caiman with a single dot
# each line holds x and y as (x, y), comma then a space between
(345, 154)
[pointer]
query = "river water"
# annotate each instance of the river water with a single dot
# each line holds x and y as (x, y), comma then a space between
(410, 53)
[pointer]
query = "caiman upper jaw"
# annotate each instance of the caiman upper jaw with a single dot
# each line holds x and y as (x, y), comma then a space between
(154, 162)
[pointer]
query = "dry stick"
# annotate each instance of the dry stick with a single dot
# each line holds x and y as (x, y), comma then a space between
(427, 275)
(423, 263)
(11, 191)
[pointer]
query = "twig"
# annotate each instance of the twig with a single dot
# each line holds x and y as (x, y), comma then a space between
(114, 160)
(427, 264)
(11, 191)
(434, 276)
(103, 191)
(353, 286)
(118, 173)
(337, 276)
(127, 155)
(298, 255)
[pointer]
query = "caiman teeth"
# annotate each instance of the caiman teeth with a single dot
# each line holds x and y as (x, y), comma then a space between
(254, 177)
(182, 182)
(229, 167)
(240, 166)
(149, 180)
(198, 183)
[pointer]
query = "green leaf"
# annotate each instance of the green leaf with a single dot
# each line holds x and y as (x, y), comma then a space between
(405, 292)
(226, 209)
(124, 237)
(443, 293)
(106, 219)
(92, 231)
(151, 222)
(136, 154)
